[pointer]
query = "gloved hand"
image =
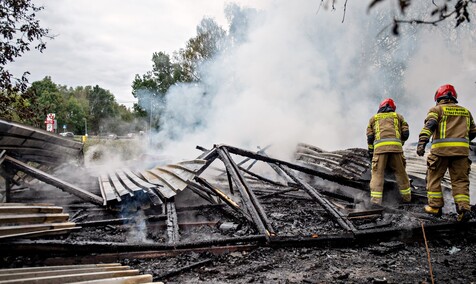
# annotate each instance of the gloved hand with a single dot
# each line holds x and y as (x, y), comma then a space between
(420, 149)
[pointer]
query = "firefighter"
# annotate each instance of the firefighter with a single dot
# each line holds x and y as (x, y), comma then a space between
(452, 128)
(386, 133)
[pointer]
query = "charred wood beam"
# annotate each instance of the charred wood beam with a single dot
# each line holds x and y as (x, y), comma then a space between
(172, 222)
(200, 191)
(224, 198)
(335, 214)
(210, 157)
(261, 157)
(278, 193)
(250, 200)
(260, 177)
(50, 247)
(2, 156)
(81, 193)
(230, 182)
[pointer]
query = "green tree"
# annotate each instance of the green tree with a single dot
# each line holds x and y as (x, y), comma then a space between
(19, 28)
(150, 89)
(102, 106)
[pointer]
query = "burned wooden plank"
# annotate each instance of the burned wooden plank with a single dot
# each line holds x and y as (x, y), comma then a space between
(110, 195)
(256, 211)
(260, 177)
(165, 190)
(32, 144)
(140, 194)
(172, 222)
(19, 209)
(47, 232)
(129, 184)
(60, 279)
(169, 179)
(198, 190)
(2, 156)
(55, 267)
(149, 188)
(81, 193)
(10, 230)
(47, 273)
(120, 189)
(33, 218)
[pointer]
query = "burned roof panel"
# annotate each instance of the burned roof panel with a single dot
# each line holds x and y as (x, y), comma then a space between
(36, 145)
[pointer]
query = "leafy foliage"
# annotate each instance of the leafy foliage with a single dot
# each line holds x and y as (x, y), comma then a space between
(182, 67)
(19, 28)
(459, 10)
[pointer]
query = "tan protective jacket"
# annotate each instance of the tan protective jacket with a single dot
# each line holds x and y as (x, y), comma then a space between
(384, 133)
(453, 126)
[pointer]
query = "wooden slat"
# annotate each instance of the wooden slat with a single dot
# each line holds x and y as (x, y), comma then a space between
(10, 230)
(73, 277)
(26, 204)
(138, 279)
(29, 209)
(169, 179)
(33, 218)
(109, 192)
(41, 233)
(137, 180)
(55, 267)
(138, 191)
(163, 189)
(128, 183)
(120, 189)
(47, 273)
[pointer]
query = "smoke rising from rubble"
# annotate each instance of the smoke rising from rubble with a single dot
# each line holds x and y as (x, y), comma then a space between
(303, 76)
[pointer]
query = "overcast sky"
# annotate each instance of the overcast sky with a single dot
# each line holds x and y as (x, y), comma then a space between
(107, 42)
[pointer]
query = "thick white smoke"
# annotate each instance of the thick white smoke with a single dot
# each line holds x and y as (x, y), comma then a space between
(304, 76)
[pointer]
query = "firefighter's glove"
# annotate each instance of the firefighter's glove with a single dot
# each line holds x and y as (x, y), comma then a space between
(420, 150)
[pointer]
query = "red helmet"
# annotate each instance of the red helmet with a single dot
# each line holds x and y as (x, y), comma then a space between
(388, 102)
(446, 91)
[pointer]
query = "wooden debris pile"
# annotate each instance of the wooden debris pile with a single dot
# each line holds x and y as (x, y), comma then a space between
(18, 220)
(89, 273)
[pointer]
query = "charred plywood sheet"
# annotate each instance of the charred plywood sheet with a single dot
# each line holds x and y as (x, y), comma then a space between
(31, 144)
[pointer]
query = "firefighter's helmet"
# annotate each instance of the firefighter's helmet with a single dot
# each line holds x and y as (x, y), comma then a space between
(446, 92)
(388, 102)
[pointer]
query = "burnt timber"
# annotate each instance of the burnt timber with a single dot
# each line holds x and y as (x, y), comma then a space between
(246, 205)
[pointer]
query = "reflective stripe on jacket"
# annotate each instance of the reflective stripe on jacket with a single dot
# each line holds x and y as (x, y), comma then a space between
(450, 134)
(384, 132)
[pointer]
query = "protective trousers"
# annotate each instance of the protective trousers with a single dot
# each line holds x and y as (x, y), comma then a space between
(459, 168)
(394, 162)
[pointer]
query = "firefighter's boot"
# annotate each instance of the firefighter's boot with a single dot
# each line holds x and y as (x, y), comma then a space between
(407, 198)
(463, 216)
(433, 210)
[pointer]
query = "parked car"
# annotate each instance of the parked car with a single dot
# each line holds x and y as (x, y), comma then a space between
(67, 134)
(112, 136)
